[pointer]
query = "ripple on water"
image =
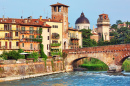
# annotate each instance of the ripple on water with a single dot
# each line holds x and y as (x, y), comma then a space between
(82, 78)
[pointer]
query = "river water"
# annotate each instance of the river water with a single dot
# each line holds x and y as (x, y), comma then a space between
(78, 78)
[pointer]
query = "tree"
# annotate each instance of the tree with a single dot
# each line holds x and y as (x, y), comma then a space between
(118, 22)
(114, 26)
(87, 42)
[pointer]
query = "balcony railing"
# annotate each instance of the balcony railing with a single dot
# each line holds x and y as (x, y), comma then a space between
(30, 32)
(74, 37)
(31, 40)
(73, 43)
(55, 44)
(9, 48)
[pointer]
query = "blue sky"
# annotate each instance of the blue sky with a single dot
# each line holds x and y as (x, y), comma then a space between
(116, 9)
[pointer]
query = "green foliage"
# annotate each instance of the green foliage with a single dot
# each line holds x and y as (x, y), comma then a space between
(43, 55)
(55, 44)
(20, 50)
(55, 53)
(126, 65)
(87, 42)
(34, 55)
(94, 64)
(118, 22)
(12, 55)
(114, 26)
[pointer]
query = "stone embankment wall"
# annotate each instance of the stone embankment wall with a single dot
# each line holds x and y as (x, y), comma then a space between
(22, 67)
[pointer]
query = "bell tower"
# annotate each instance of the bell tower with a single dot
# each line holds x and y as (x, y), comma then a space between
(60, 13)
(103, 25)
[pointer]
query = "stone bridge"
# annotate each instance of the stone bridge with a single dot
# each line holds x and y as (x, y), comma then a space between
(112, 55)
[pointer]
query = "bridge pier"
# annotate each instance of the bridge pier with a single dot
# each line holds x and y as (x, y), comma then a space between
(69, 68)
(115, 68)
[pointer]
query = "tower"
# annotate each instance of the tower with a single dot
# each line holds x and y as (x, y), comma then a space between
(103, 25)
(60, 13)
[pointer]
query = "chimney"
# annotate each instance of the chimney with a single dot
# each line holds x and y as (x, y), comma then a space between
(40, 18)
(3, 17)
(25, 21)
(30, 17)
(49, 19)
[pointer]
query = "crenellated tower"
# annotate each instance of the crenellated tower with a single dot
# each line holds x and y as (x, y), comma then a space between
(103, 25)
(60, 13)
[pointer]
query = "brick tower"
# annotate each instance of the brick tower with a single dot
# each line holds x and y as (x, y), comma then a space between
(60, 13)
(103, 25)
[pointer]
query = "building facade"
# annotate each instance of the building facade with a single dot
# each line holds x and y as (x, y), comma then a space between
(74, 38)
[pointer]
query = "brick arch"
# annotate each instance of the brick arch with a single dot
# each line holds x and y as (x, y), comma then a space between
(78, 57)
(124, 57)
(87, 57)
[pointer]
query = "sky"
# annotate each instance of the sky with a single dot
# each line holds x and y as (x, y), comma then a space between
(116, 9)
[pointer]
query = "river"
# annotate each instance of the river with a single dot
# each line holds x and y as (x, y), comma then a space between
(78, 78)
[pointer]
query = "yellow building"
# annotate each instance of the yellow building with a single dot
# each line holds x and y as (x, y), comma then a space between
(74, 38)
(9, 35)
(55, 36)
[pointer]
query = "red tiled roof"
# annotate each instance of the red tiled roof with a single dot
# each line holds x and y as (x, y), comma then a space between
(59, 4)
(51, 20)
(29, 22)
(94, 33)
(103, 14)
(73, 29)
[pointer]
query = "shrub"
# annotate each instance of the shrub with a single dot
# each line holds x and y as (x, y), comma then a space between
(34, 55)
(12, 55)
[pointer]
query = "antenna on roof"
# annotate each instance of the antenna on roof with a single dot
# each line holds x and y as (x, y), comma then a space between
(47, 14)
(44, 11)
(4, 11)
(22, 14)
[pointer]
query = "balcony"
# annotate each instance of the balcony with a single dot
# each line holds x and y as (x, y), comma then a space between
(74, 38)
(31, 40)
(9, 48)
(30, 32)
(55, 36)
(74, 43)
(55, 44)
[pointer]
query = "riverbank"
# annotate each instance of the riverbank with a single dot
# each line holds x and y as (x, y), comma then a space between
(28, 76)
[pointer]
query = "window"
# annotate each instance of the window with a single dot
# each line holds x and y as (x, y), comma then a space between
(16, 33)
(31, 36)
(22, 44)
(31, 46)
(59, 9)
(23, 29)
(31, 29)
(17, 43)
(22, 36)
(55, 9)
(47, 47)
(54, 41)
(48, 29)
(5, 27)
(70, 34)
(78, 27)
(17, 27)
(48, 37)
(10, 27)
(37, 29)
